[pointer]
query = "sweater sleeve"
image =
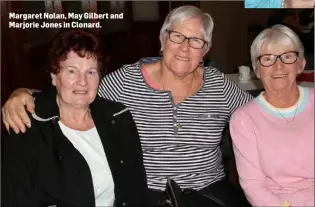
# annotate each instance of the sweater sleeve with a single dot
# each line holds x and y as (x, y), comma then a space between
(251, 176)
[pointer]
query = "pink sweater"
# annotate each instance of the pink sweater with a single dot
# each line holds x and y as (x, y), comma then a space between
(275, 157)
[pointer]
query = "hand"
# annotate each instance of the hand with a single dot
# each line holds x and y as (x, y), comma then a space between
(14, 113)
(299, 3)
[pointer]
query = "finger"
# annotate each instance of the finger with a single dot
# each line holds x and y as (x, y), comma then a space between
(13, 125)
(30, 106)
(6, 125)
(13, 118)
(24, 117)
(17, 117)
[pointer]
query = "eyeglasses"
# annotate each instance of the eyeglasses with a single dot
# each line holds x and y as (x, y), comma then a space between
(179, 38)
(270, 59)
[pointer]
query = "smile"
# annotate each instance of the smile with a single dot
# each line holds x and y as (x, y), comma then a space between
(80, 92)
(279, 76)
(181, 58)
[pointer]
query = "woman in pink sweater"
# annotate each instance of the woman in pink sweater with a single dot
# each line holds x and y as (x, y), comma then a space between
(273, 135)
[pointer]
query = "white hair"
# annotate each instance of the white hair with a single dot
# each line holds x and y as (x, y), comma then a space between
(276, 35)
(183, 13)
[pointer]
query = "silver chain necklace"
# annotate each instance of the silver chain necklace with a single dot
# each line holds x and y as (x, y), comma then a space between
(189, 89)
(287, 120)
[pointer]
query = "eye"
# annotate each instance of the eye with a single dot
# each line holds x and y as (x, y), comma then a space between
(70, 70)
(288, 56)
(197, 41)
(93, 72)
(177, 35)
(266, 58)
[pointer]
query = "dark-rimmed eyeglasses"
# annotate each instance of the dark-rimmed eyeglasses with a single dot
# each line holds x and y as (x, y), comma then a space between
(270, 59)
(179, 38)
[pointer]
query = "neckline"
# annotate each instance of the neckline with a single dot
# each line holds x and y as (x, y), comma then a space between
(288, 112)
(142, 69)
(80, 131)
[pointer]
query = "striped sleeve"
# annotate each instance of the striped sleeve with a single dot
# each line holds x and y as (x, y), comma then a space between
(111, 85)
(234, 95)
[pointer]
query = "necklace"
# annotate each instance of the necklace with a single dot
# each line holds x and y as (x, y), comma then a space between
(287, 120)
(187, 92)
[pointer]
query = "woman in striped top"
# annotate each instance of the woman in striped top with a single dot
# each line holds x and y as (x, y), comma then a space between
(179, 106)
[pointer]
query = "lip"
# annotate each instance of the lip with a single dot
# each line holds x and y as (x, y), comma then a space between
(182, 58)
(80, 92)
(279, 76)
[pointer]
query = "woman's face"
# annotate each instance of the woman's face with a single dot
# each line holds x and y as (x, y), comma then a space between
(77, 80)
(280, 76)
(182, 59)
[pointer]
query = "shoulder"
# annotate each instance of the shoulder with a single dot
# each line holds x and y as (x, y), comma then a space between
(247, 110)
(213, 78)
(131, 69)
(122, 71)
(108, 107)
(213, 73)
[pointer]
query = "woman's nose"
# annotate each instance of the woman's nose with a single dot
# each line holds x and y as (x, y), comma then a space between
(185, 45)
(83, 80)
(279, 63)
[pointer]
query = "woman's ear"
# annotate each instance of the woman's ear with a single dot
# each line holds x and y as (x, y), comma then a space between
(53, 79)
(301, 66)
(206, 51)
(162, 41)
(257, 72)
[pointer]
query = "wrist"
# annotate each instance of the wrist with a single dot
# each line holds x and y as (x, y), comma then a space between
(31, 91)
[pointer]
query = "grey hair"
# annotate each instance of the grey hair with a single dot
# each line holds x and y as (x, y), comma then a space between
(183, 13)
(276, 35)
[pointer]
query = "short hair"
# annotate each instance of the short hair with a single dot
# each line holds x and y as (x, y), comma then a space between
(83, 43)
(276, 35)
(183, 13)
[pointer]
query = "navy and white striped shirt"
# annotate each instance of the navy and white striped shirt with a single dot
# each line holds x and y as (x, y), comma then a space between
(178, 141)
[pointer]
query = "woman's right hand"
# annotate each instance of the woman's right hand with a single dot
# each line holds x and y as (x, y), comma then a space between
(14, 113)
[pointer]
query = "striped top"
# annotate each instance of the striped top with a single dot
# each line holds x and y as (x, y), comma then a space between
(179, 141)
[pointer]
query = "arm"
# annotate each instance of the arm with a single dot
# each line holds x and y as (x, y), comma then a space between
(111, 85)
(137, 166)
(234, 95)
(251, 176)
(14, 113)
